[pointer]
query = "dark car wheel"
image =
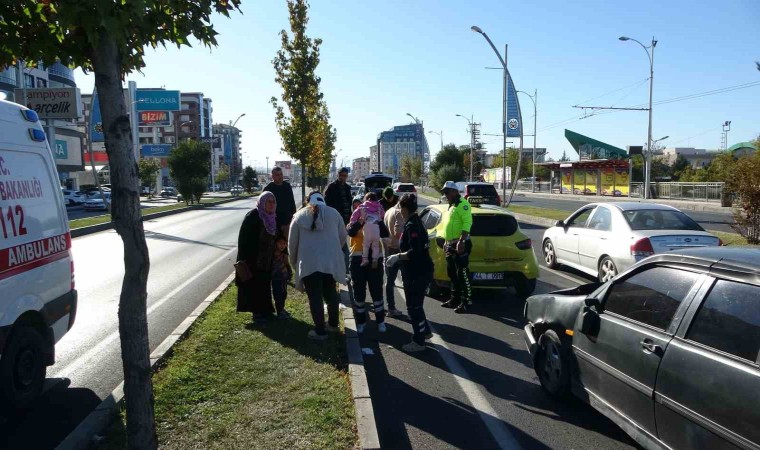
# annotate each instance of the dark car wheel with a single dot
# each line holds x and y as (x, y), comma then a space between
(607, 269)
(550, 255)
(552, 365)
(525, 287)
(22, 368)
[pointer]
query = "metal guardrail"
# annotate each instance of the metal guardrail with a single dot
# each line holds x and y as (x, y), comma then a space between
(700, 192)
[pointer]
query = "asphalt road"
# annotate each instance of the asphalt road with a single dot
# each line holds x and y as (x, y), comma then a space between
(708, 220)
(191, 254)
(475, 387)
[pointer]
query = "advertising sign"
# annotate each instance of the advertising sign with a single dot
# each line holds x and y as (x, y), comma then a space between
(156, 150)
(96, 120)
(591, 181)
(608, 181)
(61, 150)
(157, 100)
(567, 177)
(52, 103)
(228, 149)
(513, 111)
(155, 118)
(215, 142)
(621, 181)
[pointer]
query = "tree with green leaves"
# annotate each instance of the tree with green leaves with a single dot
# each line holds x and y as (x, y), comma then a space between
(190, 167)
(444, 173)
(147, 169)
(109, 39)
(722, 167)
(249, 179)
(448, 155)
(222, 174)
(745, 186)
(304, 127)
(679, 166)
(418, 166)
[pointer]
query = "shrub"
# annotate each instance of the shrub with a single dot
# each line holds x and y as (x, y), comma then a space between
(745, 186)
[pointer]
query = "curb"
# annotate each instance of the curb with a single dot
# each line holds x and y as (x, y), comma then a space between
(105, 413)
(365, 413)
(83, 231)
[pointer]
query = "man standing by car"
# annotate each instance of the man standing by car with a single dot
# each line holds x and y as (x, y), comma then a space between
(338, 196)
(456, 232)
(286, 203)
(395, 223)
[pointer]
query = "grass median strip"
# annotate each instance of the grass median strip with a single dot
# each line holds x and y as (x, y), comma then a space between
(231, 384)
(105, 218)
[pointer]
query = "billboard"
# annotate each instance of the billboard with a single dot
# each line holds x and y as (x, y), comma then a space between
(156, 150)
(155, 118)
(514, 117)
(96, 120)
(228, 149)
(157, 100)
(52, 103)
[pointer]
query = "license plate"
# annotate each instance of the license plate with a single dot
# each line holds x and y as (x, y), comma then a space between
(487, 276)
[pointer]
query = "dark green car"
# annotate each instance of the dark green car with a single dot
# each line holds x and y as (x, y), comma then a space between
(669, 349)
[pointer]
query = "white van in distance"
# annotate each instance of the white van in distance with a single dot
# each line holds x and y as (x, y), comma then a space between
(38, 301)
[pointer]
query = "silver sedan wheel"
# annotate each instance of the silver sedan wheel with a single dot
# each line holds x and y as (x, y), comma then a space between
(607, 270)
(549, 256)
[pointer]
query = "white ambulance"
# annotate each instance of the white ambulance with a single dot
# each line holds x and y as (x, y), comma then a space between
(38, 301)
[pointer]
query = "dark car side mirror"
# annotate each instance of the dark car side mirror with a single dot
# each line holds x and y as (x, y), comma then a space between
(439, 241)
(560, 223)
(592, 301)
(590, 322)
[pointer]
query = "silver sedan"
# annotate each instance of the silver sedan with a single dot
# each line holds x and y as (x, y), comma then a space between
(603, 239)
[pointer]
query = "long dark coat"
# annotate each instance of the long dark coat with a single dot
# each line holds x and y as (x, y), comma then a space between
(256, 247)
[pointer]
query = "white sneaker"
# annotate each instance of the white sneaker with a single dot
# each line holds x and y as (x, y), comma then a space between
(381, 327)
(413, 347)
(360, 327)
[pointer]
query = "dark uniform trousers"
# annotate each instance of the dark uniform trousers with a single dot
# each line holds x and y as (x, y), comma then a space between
(458, 270)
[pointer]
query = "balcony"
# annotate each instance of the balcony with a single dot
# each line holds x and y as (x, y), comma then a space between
(61, 71)
(8, 76)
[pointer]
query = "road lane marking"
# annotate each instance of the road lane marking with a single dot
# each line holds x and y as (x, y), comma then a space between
(108, 340)
(578, 281)
(501, 434)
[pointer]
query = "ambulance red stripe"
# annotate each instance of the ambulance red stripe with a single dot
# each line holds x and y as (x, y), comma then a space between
(31, 255)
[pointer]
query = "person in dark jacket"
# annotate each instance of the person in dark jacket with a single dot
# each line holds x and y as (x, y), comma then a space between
(389, 198)
(416, 269)
(256, 247)
(286, 203)
(338, 196)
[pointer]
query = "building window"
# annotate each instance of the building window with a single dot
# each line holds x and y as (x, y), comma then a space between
(28, 80)
(41, 83)
(184, 118)
(185, 106)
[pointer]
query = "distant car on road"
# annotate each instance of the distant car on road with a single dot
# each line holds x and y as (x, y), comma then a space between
(669, 350)
(168, 192)
(477, 193)
(236, 190)
(403, 188)
(73, 198)
(502, 255)
(603, 239)
(95, 202)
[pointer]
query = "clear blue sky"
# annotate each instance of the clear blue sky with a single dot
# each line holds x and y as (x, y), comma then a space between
(381, 60)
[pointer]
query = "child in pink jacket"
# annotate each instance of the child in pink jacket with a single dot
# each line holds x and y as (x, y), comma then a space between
(370, 212)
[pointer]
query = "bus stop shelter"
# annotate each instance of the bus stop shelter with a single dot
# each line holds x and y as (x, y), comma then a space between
(591, 177)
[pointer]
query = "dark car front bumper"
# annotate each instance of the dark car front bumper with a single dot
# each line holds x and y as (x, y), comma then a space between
(530, 340)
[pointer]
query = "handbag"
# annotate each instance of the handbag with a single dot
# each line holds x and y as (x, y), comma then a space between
(243, 271)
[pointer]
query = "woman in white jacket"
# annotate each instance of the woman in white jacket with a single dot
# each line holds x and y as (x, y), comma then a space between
(317, 236)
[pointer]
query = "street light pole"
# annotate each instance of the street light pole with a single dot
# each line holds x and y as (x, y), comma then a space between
(472, 139)
(503, 62)
(648, 155)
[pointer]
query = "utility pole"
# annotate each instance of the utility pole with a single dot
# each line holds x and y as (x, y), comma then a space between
(724, 136)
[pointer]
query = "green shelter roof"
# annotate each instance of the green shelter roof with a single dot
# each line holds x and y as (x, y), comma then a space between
(587, 145)
(742, 145)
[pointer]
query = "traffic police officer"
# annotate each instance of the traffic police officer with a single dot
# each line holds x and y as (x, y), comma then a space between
(456, 232)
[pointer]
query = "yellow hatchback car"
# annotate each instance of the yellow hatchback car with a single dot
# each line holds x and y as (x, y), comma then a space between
(502, 255)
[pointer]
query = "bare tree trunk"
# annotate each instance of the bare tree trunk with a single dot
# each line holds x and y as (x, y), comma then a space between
(125, 213)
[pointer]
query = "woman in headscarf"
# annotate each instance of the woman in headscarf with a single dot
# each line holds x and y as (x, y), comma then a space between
(317, 236)
(256, 243)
